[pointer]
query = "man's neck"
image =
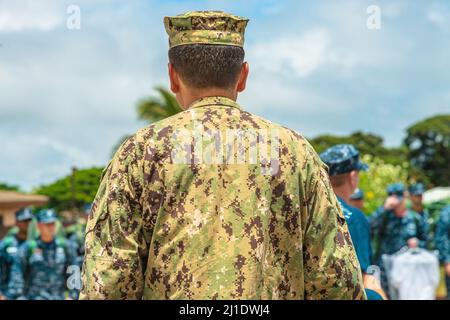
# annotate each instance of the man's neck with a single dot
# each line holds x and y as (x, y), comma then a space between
(343, 193)
(47, 239)
(195, 95)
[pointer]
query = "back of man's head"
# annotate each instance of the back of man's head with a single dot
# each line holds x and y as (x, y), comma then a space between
(203, 66)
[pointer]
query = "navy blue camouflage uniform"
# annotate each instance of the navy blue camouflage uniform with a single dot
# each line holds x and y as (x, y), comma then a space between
(43, 266)
(443, 241)
(393, 232)
(9, 256)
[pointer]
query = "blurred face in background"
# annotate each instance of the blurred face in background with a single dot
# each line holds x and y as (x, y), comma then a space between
(23, 226)
(47, 231)
(416, 202)
(400, 210)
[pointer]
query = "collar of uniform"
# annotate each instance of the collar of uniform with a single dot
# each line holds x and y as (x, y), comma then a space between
(214, 101)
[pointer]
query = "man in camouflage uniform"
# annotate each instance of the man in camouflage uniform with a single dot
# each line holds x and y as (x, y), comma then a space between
(76, 233)
(394, 226)
(9, 253)
(443, 244)
(188, 210)
(357, 199)
(416, 196)
(344, 166)
(44, 262)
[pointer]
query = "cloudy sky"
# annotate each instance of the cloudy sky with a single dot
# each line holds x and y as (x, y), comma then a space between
(67, 95)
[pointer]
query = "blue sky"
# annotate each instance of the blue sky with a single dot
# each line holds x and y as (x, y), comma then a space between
(67, 96)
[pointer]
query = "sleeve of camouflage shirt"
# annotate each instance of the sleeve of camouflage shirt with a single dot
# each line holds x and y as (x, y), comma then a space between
(15, 287)
(331, 269)
(442, 236)
(115, 254)
(422, 227)
(1, 269)
(376, 220)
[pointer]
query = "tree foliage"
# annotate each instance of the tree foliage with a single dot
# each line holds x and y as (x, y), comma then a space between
(153, 109)
(8, 187)
(65, 195)
(366, 143)
(428, 144)
(375, 181)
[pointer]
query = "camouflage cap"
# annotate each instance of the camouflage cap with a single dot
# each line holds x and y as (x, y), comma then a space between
(46, 216)
(397, 189)
(417, 189)
(342, 158)
(24, 215)
(205, 27)
(357, 195)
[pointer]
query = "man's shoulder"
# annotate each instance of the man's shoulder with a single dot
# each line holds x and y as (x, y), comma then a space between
(163, 131)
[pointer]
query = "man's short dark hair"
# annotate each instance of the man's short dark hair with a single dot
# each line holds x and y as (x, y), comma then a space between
(207, 66)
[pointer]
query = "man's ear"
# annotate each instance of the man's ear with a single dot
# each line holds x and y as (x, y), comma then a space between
(242, 82)
(174, 79)
(354, 178)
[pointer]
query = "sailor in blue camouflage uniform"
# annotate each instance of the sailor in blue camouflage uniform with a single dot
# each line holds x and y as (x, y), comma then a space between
(44, 262)
(443, 243)
(9, 253)
(416, 195)
(394, 226)
(77, 233)
(343, 168)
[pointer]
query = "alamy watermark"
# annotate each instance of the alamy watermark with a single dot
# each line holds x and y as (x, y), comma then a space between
(73, 21)
(232, 147)
(373, 21)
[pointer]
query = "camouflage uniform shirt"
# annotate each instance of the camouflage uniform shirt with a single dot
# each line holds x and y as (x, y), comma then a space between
(169, 223)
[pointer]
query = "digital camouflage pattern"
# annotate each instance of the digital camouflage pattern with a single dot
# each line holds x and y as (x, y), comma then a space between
(342, 158)
(42, 269)
(443, 236)
(393, 232)
(205, 27)
(161, 228)
(9, 259)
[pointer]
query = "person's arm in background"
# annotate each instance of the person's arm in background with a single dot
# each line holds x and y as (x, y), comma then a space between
(375, 221)
(2, 297)
(331, 268)
(15, 287)
(442, 239)
(422, 231)
(115, 254)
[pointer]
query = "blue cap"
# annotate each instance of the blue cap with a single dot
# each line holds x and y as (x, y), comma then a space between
(357, 195)
(397, 189)
(417, 189)
(46, 216)
(24, 214)
(342, 158)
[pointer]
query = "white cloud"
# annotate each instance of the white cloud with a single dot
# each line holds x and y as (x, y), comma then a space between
(439, 17)
(29, 14)
(302, 55)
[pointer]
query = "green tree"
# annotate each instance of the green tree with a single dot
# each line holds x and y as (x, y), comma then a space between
(154, 109)
(377, 178)
(72, 191)
(428, 144)
(8, 187)
(366, 143)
